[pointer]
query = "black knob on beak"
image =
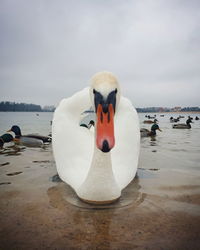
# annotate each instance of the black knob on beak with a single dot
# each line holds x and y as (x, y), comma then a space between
(105, 147)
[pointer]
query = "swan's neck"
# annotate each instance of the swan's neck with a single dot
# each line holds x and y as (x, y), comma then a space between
(101, 165)
(100, 184)
(101, 161)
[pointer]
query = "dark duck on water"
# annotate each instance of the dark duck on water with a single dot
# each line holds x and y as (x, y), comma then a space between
(33, 140)
(184, 125)
(145, 132)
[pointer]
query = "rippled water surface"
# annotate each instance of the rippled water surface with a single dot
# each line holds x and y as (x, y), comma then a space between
(180, 147)
(29, 122)
(38, 213)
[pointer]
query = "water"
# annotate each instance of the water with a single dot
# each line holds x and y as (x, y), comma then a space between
(173, 148)
(179, 147)
(29, 122)
(165, 192)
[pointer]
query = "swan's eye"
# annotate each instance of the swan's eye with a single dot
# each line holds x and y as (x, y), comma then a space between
(115, 91)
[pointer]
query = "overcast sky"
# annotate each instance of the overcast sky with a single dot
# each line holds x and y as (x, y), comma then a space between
(50, 49)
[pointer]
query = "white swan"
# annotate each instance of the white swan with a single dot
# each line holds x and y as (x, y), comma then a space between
(84, 158)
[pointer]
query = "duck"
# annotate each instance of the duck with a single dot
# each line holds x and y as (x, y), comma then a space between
(145, 132)
(183, 125)
(172, 120)
(97, 163)
(5, 138)
(30, 140)
(150, 117)
(88, 118)
(150, 121)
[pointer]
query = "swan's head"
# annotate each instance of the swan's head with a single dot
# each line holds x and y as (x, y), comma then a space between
(105, 96)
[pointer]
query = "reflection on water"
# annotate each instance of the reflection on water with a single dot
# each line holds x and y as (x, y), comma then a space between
(97, 228)
(153, 138)
(130, 196)
(153, 142)
(16, 149)
(12, 150)
(94, 228)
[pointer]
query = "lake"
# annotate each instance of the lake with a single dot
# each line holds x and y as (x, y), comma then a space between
(29, 122)
(160, 209)
(181, 147)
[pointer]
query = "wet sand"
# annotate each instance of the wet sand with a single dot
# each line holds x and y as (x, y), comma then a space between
(160, 209)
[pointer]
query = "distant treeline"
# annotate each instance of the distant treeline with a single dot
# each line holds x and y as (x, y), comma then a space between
(161, 109)
(24, 107)
(152, 110)
(13, 106)
(190, 109)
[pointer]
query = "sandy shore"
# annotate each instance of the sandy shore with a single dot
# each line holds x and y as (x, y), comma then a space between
(159, 210)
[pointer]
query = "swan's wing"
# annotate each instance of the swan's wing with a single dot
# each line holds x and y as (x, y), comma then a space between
(72, 144)
(127, 144)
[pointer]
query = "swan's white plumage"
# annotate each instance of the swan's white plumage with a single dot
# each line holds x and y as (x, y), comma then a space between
(73, 145)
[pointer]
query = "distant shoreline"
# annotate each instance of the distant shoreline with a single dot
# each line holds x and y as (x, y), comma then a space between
(172, 112)
(44, 111)
(184, 112)
(164, 112)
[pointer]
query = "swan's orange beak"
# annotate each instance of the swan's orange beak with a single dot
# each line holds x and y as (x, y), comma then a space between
(105, 139)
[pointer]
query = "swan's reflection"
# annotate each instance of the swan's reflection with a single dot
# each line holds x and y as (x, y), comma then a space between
(130, 196)
(93, 225)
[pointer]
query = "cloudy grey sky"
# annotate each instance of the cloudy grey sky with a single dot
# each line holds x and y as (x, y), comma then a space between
(50, 49)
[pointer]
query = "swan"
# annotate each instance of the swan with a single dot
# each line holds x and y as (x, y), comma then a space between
(97, 163)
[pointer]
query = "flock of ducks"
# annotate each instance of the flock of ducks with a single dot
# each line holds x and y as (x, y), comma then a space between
(145, 132)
